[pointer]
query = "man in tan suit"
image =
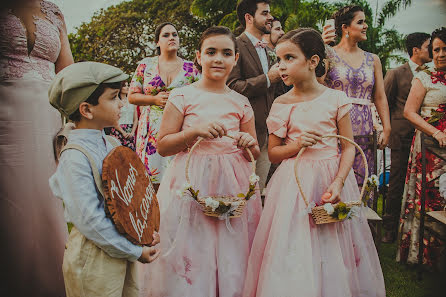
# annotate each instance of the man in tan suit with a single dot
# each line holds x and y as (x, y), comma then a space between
(397, 84)
(254, 75)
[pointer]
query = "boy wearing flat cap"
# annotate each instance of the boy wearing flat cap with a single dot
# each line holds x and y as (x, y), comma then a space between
(98, 261)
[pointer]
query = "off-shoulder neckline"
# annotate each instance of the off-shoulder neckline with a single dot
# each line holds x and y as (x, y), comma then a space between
(314, 99)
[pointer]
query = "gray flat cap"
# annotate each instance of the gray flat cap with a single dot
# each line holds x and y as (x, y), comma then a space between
(76, 82)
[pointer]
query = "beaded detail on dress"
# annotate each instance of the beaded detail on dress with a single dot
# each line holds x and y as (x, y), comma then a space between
(15, 62)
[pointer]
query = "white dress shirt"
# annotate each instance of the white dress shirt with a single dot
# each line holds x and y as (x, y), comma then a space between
(261, 52)
(413, 66)
(73, 182)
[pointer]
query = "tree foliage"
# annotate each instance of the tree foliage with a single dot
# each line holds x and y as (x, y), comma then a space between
(123, 34)
(293, 14)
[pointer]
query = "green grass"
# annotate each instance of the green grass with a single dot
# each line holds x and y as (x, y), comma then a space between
(401, 280)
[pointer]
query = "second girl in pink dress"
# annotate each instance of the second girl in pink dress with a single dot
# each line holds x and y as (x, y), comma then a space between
(291, 255)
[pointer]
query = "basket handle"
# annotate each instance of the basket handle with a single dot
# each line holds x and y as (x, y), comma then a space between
(253, 165)
(341, 137)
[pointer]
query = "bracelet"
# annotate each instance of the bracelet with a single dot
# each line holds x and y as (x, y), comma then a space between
(184, 139)
(342, 180)
(435, 133)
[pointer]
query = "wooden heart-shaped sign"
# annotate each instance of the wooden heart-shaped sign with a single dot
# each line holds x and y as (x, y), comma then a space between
(130, 197)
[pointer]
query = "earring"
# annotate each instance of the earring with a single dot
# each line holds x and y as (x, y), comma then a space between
(347, 35)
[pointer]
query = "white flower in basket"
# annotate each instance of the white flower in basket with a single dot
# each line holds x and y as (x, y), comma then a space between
(253, 178)
(373, 179)
(221, 206)
(211, 203)
(329, 208)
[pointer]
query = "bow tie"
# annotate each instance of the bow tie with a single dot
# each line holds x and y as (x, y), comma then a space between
(421, 68)
(261, 44)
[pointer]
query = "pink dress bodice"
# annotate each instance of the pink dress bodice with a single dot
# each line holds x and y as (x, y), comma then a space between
(15, 61)
(321, 114)
(230, 109)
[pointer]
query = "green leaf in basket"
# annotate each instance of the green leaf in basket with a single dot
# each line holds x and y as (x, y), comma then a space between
(342, 215)
(241, 195)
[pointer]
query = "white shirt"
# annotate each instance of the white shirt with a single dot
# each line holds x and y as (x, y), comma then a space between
(261, 52)
(73, 182)
(127, 112)
(413, 66)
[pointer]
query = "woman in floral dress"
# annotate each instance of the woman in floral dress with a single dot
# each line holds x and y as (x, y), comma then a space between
(425, 109)
(152, 82)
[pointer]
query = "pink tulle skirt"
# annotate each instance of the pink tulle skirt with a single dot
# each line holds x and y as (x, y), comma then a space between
(291, 256)
(200, 255)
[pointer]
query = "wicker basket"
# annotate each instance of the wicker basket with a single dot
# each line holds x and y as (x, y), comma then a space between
(227, 200)
(319, 214)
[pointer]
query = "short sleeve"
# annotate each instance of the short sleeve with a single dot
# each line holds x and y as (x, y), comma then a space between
(177, 99)
(424, 78)
(277, 121)
(247, 111)
(136, 85)
(344, 105)
(54, 15)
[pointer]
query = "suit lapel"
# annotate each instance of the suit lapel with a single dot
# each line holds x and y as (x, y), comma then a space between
(252, 51)
(408, 72)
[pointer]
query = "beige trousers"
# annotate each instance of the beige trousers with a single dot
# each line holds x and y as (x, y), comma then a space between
(90, 272)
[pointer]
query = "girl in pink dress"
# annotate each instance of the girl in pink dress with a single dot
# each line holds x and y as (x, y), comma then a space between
(291, 255)
(205, 256)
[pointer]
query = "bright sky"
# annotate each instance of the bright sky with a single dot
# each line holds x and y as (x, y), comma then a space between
(421, 16)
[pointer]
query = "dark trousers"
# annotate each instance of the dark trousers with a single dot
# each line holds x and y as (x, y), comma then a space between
(398, 170)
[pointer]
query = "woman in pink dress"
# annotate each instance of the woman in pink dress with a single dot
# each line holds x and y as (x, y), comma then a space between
(33, 47)
(202, 255)
(291, 255)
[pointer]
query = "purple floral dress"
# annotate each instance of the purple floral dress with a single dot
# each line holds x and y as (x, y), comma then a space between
(146, 80)
(358, 84)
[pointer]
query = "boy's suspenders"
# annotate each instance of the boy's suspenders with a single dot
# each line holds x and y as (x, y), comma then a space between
(97, 178)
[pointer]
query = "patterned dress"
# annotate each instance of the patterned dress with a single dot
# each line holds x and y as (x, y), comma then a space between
(435, 100)
(358, 84)
(147, 80)
(33, 230)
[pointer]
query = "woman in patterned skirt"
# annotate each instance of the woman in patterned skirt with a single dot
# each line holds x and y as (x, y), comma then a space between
(425, 109)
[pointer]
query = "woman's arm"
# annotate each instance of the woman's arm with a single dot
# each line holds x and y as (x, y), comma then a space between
(381, 104)
(159, 99)
(65, 57)
(413, 105)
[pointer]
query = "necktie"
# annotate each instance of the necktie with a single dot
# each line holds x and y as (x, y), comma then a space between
(421, 68)
(261, 44)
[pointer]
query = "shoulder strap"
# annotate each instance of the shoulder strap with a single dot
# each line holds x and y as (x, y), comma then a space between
(114, 142)
(94, 168)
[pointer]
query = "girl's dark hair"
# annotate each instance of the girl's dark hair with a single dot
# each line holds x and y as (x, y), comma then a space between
(93, 99)
(345, 16)
(439, 33)
(158, 32)
(214, 31)
(310, 43)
